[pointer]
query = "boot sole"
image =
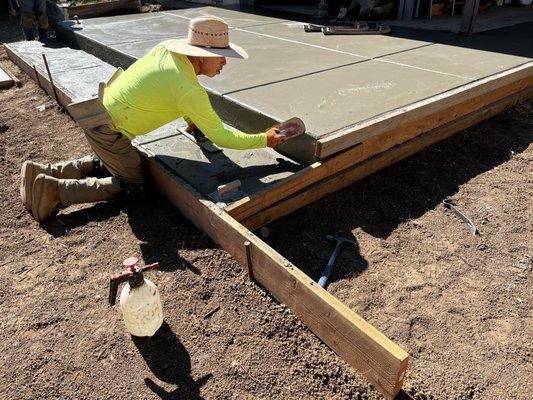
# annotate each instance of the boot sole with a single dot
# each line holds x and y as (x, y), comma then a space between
(26, 184)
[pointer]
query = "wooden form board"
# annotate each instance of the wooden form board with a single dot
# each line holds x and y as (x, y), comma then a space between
(361, 345)
(382, 362)
(92, 10)
(387, 136)
(460, 101)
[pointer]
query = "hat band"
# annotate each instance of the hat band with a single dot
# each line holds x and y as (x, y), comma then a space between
(217, 40)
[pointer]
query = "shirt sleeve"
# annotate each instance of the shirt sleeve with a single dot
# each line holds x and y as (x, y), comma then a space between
(198, 110)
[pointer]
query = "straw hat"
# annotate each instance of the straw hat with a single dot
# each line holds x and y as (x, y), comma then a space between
(208, 37)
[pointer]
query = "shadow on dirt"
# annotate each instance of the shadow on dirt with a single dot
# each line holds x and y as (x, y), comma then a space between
(399, 193)
(162, 231)
(170, 362)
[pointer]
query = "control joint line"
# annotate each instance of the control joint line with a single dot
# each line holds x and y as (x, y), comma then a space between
(377, 59)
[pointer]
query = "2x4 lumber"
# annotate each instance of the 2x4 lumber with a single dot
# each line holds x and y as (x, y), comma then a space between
(380, 161)
(469, 95)
(250, 205)
(360, 344)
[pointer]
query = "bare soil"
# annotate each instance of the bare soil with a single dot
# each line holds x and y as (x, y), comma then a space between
(461, 305)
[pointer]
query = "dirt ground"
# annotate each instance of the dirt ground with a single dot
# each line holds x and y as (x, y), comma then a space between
(461, 305)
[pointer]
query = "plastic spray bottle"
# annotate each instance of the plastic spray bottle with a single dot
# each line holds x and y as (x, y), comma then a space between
(139, 300)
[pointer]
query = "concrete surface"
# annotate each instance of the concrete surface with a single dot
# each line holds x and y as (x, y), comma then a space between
(331, 82)
(77, 74)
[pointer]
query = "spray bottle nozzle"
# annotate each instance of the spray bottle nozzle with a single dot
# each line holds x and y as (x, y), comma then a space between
(133, 273)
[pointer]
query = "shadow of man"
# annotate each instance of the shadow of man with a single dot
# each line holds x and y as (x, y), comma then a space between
(170, 362)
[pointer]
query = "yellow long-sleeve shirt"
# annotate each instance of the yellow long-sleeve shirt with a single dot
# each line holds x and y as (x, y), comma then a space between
(161, 87)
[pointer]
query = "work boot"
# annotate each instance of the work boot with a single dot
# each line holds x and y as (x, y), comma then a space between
(75, 169)
(43, 35)
(28, 173)
(29, 33)
(45, 197)
(51, 194)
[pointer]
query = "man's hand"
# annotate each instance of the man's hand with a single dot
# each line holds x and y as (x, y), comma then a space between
(284, 131)
(274, 139)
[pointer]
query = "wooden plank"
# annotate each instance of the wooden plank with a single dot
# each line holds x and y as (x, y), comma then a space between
(361, 345)
(380, 161)
(92, 10)
(364, 130)
(376, 144)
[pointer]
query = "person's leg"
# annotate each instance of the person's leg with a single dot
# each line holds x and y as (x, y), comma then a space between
(42, 19)
(50, 194)
(27, 19)
(88, 166)
(117, 155)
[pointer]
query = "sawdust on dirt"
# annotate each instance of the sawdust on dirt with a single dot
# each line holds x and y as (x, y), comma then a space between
(461, 305)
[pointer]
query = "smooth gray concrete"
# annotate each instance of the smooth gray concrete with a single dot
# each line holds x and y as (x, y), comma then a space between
(463, 61)
(272, 61)
(360, 46)
(331, 82)
(73, 71)
(345, 95)
(255, 168)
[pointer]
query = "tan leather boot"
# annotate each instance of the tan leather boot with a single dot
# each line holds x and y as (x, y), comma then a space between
(45, 197)
(74, 169)
(28, 173)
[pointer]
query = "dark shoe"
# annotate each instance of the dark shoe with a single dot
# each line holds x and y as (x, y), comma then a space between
(45, 199)
(28, 173)
(43, 35)
(29, 33)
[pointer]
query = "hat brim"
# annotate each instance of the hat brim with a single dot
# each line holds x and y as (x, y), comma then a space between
(181, 46)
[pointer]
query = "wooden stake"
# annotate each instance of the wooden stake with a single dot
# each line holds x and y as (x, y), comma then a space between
(247, 246)
(51, 80)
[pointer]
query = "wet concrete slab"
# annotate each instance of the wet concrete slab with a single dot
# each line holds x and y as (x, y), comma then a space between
(234, 19)
(331, 82)
(255, 169)
(359, 46)
(347, 94)
(458, 60)
(286, 61)
(74, 71)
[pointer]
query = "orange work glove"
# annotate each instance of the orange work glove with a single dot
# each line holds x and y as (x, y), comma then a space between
(274, 139)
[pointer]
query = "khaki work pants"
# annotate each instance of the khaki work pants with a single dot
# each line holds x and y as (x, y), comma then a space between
(118, 155)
